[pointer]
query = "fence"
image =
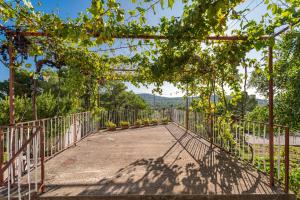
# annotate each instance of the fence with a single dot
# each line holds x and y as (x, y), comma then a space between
(23, 151)
(25, 146)
(246, 140)
(116, 116)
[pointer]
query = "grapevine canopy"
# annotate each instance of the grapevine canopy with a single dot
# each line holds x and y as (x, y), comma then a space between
(177, 50)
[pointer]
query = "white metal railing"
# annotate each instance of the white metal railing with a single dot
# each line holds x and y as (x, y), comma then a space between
(116, 116)
(58, 134)
(47, 138)
(22, 151)
(246, 140)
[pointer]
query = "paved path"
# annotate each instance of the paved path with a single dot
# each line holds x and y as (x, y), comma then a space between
(152, 160)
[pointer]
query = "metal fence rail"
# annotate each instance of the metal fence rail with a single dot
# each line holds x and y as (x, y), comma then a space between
(246, 140)
(51, 136)
(131, 116)
(23, 151)
(24, 147)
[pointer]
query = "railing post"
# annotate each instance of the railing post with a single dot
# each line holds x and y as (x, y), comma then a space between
(271, 116)
(211, 128)
(75, 131)
(287, 159)
(1, 157)
(42, 147)
(187, 114)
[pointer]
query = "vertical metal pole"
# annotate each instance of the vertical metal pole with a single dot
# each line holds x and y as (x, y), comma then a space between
(271, 116)
(1, 157)
(187, 114)
(286, 159)
(12, 97)
(42, 144)
(75, 131)
(11, 85)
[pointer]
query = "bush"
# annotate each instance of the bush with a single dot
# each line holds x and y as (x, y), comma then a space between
(124, 124)
(165, 120)
(138, 123)
(146, 122)
(154, 121)
(110, 126)
(23, 110)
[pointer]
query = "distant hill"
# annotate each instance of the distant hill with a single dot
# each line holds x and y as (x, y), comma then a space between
(162, 101)
(175, 101)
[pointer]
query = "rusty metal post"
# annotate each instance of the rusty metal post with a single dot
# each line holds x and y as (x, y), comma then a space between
(187, 114)
(12, 97)
(271, 116)
(286, 159)
(11, 85)
(1, 158)
(42, 146)
(75, 130)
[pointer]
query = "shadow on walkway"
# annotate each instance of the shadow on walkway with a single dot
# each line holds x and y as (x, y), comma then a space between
(189, 166)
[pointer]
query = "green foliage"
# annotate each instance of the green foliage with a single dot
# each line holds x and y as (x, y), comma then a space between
(286, 79)
(47, 105)
(165, 120)
(154, 121)
(124, 123)
(23, 110)
(22, 86)
(114, 96)
(110, 125)
(138, 123)
(242, 105)
(146, 121)
(260, 114)
(203, 70)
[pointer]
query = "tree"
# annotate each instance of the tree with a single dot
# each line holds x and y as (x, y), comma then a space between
(114, 96)
(286, 79)
(243, 105)
(22, 84)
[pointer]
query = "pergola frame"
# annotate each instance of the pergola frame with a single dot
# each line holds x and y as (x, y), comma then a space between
(11, 33)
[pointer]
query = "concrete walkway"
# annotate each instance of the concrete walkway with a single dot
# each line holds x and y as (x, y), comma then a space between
(149, 161)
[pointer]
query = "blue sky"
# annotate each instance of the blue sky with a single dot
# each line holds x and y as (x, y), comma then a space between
(71, 8)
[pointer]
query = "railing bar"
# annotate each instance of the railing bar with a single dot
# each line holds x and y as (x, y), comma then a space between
(264, 149)
(287, 161)
(35, 162)
(44, 139)
(28, 166)
(258, 137)
(243, 140)
(19, 177)
(8, 140)
(51, 135)
(278, 152)
(69, 130)
(20, 144)
(64, 135)
(253, 143)
(57, 141)
(61, 133)
(55, 135)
